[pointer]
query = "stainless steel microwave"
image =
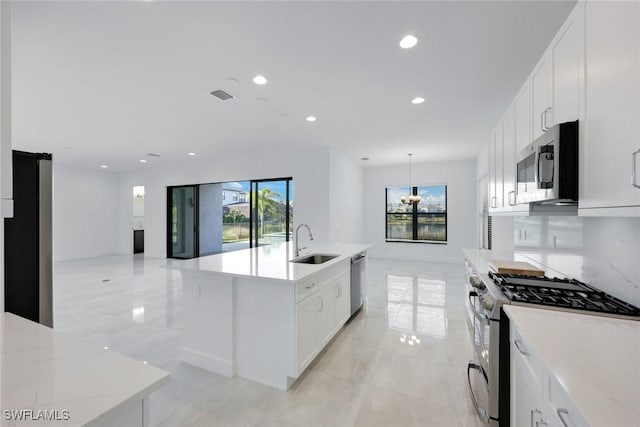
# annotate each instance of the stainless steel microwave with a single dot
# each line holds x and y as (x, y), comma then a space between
(547, 169)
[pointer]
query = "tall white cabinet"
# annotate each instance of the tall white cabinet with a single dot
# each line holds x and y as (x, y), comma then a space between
(610, 158)
(6, 184)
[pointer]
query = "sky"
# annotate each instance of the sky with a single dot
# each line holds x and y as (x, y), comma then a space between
(431, 195)
(275, 187)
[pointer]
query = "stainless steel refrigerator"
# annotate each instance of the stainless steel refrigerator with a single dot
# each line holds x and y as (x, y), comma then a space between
(28, 240)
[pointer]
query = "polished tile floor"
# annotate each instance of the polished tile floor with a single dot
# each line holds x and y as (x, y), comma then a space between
(400, 362)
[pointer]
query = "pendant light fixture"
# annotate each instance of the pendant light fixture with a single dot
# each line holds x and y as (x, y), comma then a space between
(411, 199)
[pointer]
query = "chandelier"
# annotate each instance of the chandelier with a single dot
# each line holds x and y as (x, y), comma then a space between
(411, 199)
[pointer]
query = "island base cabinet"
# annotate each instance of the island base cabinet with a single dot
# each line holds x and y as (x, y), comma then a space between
(307, 321)
(134, 414)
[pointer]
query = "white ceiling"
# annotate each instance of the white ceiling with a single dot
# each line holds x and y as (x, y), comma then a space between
(108, 82)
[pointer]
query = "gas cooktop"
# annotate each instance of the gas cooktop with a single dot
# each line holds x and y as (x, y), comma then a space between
(565, 293)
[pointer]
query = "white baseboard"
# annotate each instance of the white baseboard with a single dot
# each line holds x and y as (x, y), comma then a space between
(208, 362)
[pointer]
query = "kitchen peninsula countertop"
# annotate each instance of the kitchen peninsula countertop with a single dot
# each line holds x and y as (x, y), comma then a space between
(269, 261)
(594, 358)
(41, 369)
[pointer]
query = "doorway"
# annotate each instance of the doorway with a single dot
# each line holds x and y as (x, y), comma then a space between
(138, 219)
(271, 211)
(182, 221)
(206, 219)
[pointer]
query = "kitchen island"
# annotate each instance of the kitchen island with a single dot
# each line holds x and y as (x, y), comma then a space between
(48, 378)
(255, 314)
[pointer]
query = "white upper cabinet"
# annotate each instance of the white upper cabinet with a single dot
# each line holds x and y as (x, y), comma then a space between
(509, 158)
(611, 138)
(499, 167)
(496, 167)
(492, 171)
(523, 118)
(542, 96)
(568, 68)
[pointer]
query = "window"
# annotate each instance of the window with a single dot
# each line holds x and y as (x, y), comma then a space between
(425, 221)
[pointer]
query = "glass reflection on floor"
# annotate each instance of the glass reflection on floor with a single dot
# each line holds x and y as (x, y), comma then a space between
(416, 305)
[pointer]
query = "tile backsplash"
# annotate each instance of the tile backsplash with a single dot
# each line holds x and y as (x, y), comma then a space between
(603, 252)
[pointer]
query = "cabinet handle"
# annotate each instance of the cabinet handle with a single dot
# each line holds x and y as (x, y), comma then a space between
(561, 413)
(634, 166)
(541, 128)
(310, 286)
(321, 304)
(517, 344)
(534, 412)
(514, 198)
(494, 202)
(541, 423)
(544, 115)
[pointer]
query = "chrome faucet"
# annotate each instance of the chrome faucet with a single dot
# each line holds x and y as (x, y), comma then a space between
(298, 249)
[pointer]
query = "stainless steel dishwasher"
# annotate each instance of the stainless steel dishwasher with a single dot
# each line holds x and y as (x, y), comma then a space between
(358, 281)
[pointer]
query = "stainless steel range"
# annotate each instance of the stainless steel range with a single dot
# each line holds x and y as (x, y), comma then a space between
(488, 371)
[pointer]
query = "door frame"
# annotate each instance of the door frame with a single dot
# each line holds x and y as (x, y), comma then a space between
(196, 220)
(253, 216)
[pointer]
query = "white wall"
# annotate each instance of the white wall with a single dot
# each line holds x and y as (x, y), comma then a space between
(346, 189)
(308, 167)
(460, 178)
(85, 212)
(210, 199)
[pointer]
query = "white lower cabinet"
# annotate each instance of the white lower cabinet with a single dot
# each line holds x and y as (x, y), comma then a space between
(537, 399)
(343, 298)
(306, 331)
(320, 315)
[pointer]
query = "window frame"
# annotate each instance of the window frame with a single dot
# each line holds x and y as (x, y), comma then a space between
(415, 215)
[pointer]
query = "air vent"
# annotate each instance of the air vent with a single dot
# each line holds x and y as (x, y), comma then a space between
(153, 154)
(220, 94)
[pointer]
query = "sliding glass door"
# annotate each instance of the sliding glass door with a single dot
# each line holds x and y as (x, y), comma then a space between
(207, 219)
(182, 222)
(271, 211)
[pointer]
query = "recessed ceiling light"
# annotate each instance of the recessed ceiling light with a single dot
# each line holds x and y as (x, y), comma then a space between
(311, 119)
(142, 161)
(417, 100)
(191, 154)
(408, 41)
(104, 166)
(260, 80)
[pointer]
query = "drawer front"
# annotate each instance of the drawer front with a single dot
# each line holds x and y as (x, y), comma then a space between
(522, 350)
(565, 412)
(307, 287)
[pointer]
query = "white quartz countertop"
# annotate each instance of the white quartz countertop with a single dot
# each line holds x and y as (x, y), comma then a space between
(41, 369)
(596, 359)
(479, 259)
(270, 261)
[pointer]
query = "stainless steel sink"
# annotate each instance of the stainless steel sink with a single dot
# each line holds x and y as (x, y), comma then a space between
(314, 259)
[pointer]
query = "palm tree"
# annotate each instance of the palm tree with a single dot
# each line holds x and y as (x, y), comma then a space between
(266, 204)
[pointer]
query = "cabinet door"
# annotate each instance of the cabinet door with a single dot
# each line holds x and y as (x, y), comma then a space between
(500, 166)
(343, 299)
(492, 172)
(568, 68)
(612, 131)
(327, 315)
(525, 392)
(541, 96)
(307, 331)
(523, 118)
(509, 158)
